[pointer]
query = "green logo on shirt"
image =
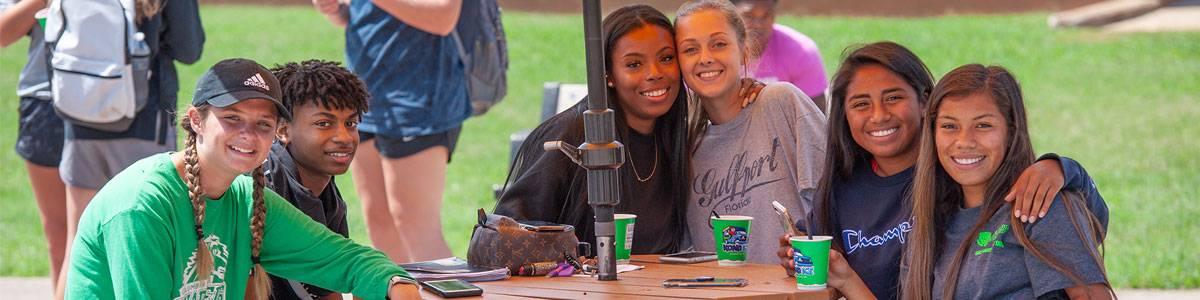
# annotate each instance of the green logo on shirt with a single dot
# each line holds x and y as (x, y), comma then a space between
(991, 238)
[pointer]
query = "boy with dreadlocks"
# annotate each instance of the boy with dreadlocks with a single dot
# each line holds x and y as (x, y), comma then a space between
(319, 142)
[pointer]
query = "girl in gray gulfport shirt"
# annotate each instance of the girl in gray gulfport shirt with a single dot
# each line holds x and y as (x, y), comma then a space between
(743, 157)
(975, 144)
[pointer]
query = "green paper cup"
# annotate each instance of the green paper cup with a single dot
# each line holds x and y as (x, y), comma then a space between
(732, 235)
(624, 224)
(812, 261)
(41, 17)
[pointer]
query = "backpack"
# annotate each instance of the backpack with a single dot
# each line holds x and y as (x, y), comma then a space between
(483, 51)
(99, 63)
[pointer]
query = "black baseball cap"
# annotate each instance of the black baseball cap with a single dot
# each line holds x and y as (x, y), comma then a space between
(237, 79)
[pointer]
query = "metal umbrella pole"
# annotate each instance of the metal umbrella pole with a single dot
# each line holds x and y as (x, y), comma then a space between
(600, 153)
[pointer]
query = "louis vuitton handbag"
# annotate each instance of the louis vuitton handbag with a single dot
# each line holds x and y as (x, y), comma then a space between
(500, 241)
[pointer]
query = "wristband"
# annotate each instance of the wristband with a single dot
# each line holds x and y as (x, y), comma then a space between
(397, 279)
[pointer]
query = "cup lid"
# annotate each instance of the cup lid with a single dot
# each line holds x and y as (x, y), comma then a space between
(815, 238)
(731, 218)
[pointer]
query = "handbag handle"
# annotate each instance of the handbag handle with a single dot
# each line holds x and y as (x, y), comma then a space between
(483, 220)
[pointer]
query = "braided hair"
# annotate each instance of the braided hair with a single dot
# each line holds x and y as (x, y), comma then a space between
(260, 281)
(191, 166)
(258, 277)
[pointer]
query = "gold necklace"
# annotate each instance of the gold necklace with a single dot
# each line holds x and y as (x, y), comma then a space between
(655, 168)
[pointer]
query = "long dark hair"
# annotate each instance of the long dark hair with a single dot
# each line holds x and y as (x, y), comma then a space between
(670, 130)
(842, 154)
(936, 196)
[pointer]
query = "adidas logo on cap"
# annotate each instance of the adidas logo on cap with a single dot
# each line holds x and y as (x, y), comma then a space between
(256, 80)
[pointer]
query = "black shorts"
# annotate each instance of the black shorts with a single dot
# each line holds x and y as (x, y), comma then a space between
(399, 147)
(39, 133)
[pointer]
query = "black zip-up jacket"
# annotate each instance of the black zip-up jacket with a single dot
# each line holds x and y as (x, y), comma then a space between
(329, 209)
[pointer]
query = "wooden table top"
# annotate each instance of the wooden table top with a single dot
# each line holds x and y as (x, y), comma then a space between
(766, 282)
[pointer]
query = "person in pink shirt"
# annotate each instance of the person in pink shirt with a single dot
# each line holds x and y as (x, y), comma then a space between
(783, 54)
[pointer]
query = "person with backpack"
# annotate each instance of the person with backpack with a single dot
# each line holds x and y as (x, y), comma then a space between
(40, 131)
(408, 53)
(170, 31)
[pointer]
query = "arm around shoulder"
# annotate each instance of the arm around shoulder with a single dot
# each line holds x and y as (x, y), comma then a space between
(1075, 177)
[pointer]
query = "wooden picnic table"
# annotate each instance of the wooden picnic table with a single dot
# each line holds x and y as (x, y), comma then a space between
(766, 282)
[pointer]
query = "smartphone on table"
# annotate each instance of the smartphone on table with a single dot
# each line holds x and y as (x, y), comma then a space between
(452, 288)
(689, 257)
(705, 282)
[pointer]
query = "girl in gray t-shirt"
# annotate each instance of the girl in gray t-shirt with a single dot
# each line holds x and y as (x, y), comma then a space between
(975, 146)
(744, 156)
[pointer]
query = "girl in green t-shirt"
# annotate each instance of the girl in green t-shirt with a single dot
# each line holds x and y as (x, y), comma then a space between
(174, 224)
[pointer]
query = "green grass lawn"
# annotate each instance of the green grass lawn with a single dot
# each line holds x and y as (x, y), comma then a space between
(1117, 103)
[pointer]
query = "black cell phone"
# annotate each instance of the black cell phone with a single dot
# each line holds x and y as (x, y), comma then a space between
(689, 257)
(452, 288)
(705, 282)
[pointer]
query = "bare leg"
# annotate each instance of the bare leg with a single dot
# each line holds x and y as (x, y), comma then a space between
(51, 195)
(77, 200)
(368, 182)
(415, 186)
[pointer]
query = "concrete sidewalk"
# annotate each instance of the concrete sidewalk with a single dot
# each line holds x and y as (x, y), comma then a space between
(37, 288)
(1177, 16)
(1123, 16)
